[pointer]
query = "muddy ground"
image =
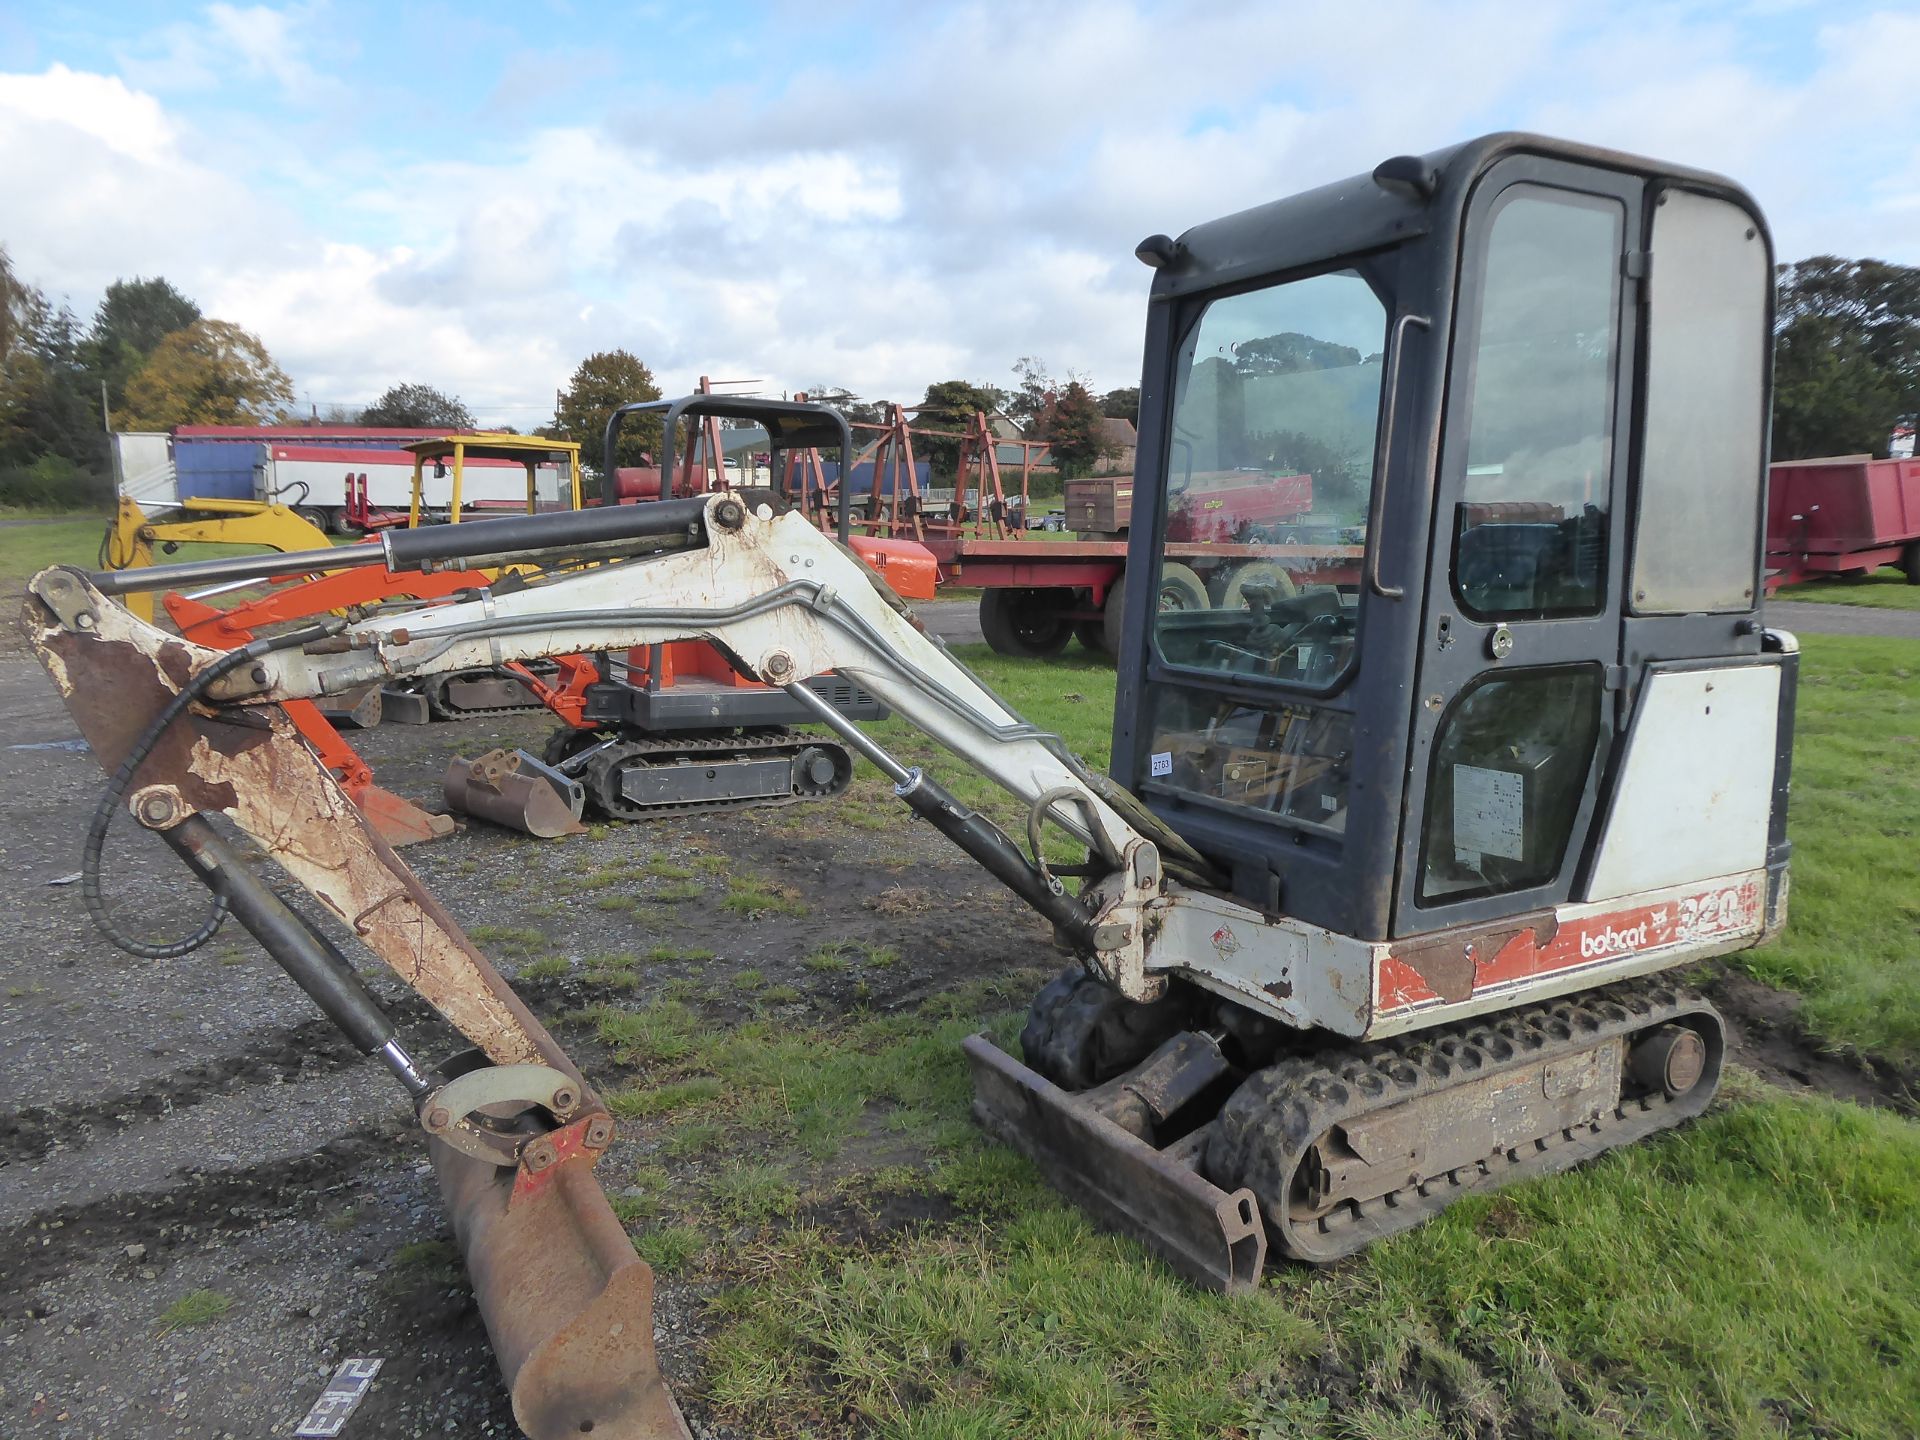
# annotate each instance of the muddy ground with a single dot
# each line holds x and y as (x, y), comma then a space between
(185, 1125)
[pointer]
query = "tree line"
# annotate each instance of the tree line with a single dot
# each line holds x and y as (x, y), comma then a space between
(148, 360)
(1846, 374)
(1846, 360)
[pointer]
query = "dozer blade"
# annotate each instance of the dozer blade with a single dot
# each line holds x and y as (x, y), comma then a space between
(567, 1303)
(1213, 1237)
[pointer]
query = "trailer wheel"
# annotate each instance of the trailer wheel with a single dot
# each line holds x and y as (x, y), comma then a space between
(1092, 635)
(1026, 623)
(1180, 589)
(1229, 587)
(1910, 562)
(314, 516)
(339, 524)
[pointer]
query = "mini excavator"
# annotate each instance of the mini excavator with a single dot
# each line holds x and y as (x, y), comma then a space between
(1386, 886)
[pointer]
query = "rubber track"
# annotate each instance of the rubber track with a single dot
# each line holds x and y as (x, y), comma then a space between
(440, 708)
(1266, 1127)
(602, 771)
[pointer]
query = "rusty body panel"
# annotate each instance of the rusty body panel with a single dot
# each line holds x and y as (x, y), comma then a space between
(252, 767)
(567, 1302)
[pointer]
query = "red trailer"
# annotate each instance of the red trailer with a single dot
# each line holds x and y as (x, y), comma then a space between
(1035, 596)
(1847, 515)
(1038, 593)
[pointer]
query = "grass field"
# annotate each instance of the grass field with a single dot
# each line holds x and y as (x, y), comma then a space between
(25, 549)
(1884, 589)
(1852, 946)
(1755, 1274)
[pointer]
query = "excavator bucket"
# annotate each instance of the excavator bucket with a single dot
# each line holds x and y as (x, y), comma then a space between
(514, 789)
(567, 1303)
(1159, 1197)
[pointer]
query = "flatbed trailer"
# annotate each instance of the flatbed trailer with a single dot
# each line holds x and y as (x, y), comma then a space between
(1036, 595)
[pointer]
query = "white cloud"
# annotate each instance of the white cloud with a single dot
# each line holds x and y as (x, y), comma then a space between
(100, 107)
(975, 199)
(230, 42)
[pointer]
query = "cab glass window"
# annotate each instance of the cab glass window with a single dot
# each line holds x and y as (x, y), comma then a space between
(1283, 759)
(1509, 771)
(1530, 530)
(1698, 528)
(1276, 404)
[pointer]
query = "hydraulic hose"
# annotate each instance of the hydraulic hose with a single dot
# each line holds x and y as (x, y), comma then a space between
(122, 779)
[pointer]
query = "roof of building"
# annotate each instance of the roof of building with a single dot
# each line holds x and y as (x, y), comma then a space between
(361, 456)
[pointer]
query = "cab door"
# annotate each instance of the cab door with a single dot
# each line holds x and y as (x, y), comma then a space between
(1513, 712)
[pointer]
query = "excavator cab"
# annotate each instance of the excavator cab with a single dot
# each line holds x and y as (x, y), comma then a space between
(1531, 379)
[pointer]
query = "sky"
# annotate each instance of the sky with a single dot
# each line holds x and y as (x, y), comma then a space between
(474, 196)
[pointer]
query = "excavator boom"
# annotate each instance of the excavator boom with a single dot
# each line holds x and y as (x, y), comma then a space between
(192, 734)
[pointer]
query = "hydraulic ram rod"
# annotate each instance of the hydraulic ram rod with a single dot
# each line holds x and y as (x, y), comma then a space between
(305, 954)
(971, 831)
(398, 550)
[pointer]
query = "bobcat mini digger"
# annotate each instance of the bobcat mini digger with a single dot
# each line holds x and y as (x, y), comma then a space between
(1382, 883)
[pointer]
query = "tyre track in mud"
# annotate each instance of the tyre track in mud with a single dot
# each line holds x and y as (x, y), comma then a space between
(287, 1056)
(50, 1242)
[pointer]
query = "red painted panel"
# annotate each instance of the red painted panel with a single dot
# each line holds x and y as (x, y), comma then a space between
(1696, 919)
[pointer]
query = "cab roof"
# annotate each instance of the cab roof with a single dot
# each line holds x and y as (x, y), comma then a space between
(491, 445)
(1403, 197)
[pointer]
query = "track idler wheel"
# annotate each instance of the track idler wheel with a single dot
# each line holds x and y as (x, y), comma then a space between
(1668, 1060)
(1080, 1031)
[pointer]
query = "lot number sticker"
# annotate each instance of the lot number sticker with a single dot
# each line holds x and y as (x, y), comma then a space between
(1489, 811)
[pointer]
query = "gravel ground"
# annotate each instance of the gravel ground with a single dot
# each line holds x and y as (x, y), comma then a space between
(1824, 619)
(191, 1124)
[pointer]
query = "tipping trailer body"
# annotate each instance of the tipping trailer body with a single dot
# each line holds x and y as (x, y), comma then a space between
(1843, 515)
